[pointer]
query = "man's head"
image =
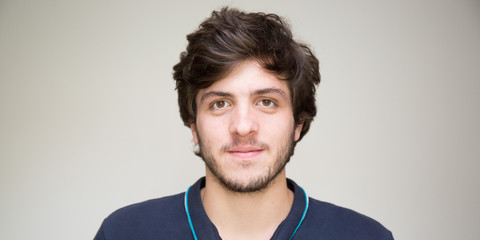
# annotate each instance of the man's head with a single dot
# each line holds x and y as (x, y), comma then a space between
(247, 91)
(230, 37)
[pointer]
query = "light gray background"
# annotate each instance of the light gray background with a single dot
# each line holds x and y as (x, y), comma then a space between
(89, 121)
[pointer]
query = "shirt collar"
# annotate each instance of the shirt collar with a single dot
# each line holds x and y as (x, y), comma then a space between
(205, 229)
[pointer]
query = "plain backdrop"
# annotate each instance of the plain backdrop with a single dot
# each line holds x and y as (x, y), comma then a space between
(89, 120)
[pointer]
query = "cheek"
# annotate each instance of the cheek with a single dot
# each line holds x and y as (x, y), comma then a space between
(279, 128)
(212, 130)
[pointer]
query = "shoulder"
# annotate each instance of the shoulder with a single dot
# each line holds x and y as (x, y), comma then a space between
(334, 222)
(145, 220)
(150, 208)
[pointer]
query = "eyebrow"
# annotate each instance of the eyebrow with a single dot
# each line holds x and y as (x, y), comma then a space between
(214, 94)
(263, 91)
(270, 90)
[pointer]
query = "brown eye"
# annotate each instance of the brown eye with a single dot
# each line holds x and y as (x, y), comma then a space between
(220, 104)
(267, 103)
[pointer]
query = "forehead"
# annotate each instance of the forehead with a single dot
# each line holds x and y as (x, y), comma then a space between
(247, 78)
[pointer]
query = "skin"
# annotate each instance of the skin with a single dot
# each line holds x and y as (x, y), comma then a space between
(245, 129)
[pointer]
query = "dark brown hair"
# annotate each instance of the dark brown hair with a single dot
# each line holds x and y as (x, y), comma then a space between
(229, 37)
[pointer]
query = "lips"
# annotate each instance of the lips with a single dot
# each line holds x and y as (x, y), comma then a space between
(245, 152)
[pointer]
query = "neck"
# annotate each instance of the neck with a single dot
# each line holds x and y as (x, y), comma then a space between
(247, 215)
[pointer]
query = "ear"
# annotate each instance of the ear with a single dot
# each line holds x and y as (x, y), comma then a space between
(298, 130)
(194, 133)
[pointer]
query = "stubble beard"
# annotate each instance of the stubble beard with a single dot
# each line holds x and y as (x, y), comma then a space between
(256, 183)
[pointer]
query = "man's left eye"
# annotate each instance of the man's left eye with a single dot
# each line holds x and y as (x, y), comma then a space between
(266, 103)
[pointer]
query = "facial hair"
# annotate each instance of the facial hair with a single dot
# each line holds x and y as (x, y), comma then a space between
(259, 183)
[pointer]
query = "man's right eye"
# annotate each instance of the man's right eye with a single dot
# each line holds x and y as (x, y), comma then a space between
(220, 104)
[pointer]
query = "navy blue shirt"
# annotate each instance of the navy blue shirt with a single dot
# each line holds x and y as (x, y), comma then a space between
(166, 218)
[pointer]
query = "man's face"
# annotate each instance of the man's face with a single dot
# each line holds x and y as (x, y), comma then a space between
(245, 128)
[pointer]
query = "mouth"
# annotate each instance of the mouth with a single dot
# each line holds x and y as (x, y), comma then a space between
(245, 152)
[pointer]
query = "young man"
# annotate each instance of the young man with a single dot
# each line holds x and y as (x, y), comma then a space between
(246, 90)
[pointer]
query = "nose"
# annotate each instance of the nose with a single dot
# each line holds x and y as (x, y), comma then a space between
(243, 121)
